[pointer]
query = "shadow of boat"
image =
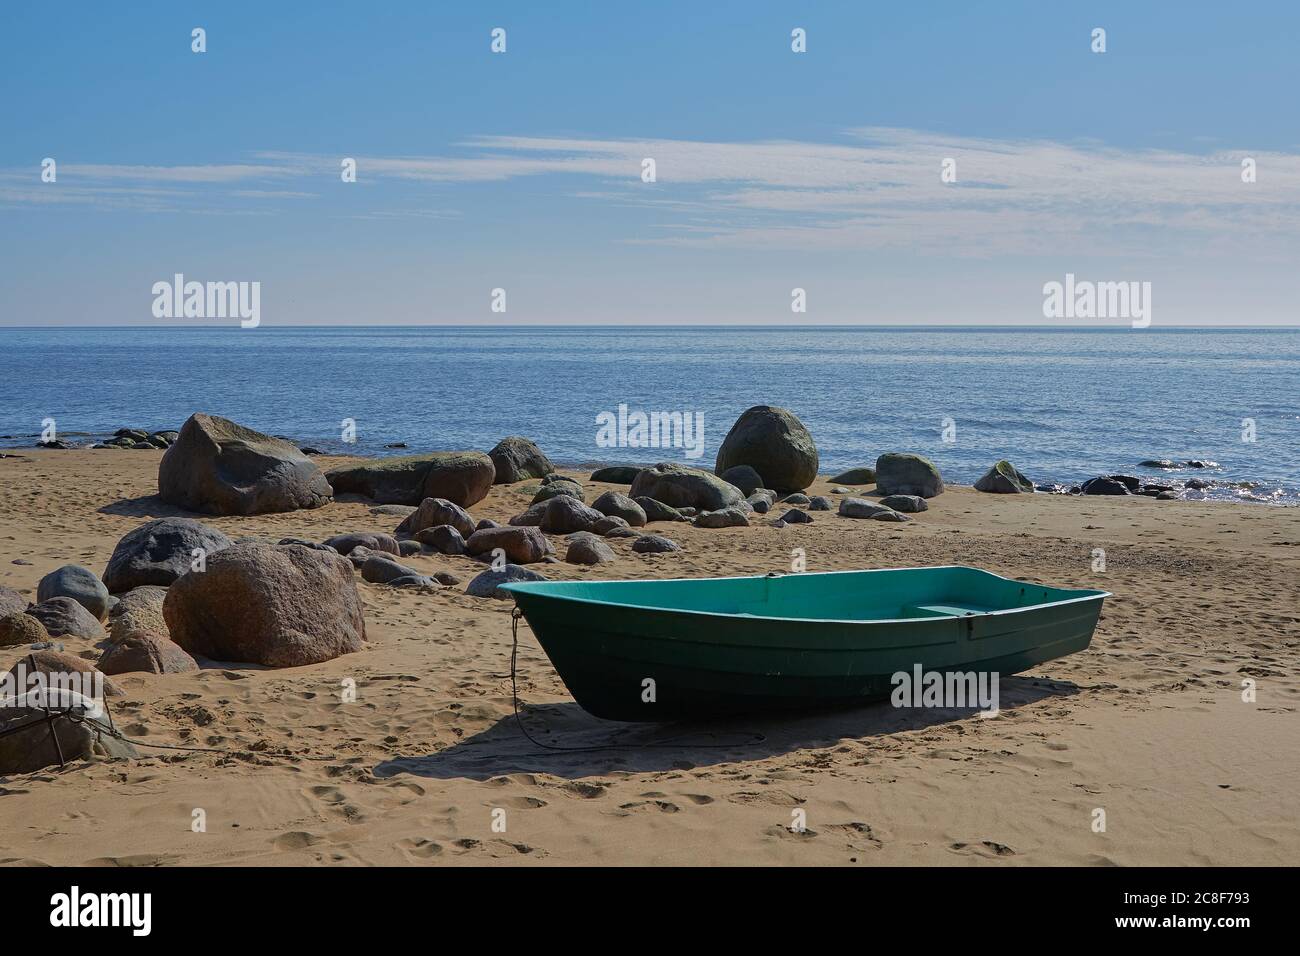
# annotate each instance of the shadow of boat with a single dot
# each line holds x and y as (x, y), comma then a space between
(649, 748)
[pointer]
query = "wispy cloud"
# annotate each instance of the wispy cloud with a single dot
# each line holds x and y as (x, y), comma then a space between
(879, 188)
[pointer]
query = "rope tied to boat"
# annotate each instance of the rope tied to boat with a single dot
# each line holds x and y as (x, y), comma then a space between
(670, 743)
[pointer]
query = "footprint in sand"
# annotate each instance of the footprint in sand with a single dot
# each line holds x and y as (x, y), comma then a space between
(989, 849)
(518, 803)
(295, 840)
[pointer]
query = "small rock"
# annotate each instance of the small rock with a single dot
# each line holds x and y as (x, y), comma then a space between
(379, 569)
(616, 474)
(795, 516)
(521, 545)
(588, 549)
(63, 615)
(657, 510)
(20, 628)
(654, 544)
(723, 518)
(443, 538)
(611, 503)
(375, 541)
(488, 583)
(147, 652)
(820, 503)
(855, 476)
(80, 584)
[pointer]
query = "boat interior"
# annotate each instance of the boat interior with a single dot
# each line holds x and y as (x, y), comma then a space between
(891, 594)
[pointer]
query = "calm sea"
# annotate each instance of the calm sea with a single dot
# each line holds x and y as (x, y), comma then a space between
(1062, 404)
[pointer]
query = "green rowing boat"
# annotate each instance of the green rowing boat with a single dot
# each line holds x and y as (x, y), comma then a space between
(666, 650)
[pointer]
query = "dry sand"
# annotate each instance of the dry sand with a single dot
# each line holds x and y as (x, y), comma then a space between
(1147, 724)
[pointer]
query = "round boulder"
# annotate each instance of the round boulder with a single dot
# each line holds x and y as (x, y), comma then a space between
(11, 601)
(775, 444)
(1004, 479)
(63, 616)
(521, 545)
(280, 606)
(620, 506)
(146, 652)
(16, 629)
(140, 609)
(516, 458)
(488, 583)
(654, 544)
(904, 474)
(433, 512)
(443, 538)
(588, 549)
(80, 584)
(158, 552)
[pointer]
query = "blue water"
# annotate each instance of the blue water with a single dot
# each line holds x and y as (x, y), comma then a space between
(1062, 404)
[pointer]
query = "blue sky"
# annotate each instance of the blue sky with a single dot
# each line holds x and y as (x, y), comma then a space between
(775, 170)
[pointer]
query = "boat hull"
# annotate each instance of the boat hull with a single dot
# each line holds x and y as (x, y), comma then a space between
(643, 663)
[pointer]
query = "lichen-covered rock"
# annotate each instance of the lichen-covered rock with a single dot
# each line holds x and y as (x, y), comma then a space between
(905, 474)
(461, 477)
(158, 552)
(774, 443)
(516, 458)
(281, 606)
(140, 609)
(20, 628)
(219, 467)
(681, 487)
(1004, 479)
(11, 601)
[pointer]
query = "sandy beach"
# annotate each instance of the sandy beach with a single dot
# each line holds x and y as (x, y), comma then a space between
(1148, 724)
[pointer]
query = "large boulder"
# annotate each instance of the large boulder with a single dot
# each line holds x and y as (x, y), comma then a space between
(140, 609)
(903, 474)
(219, 467)
(620, 506)
(80, 584)
(158, 552)
(147, 652)
(11, 601)
(62, 616)
(433, 512)
(521, 545)
(516, 458)
(681, 487)
(28, 742)
(277, 605)
(462, 477)
(563, 515)
(1004, 479)
(774, 443)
